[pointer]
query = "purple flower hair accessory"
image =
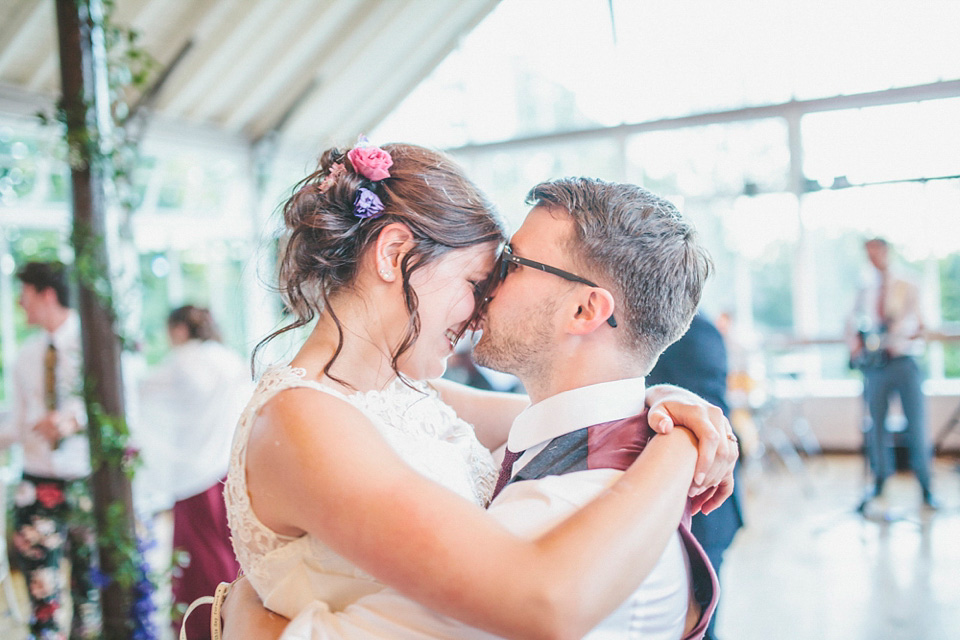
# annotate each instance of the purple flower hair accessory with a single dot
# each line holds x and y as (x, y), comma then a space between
(367, 204)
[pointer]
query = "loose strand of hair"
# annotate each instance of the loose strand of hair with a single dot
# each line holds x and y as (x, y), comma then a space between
(412, 332)
(295, 302)
(336, 352)
(296, 324)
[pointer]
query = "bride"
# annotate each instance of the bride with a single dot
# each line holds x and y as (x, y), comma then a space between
(349, 472)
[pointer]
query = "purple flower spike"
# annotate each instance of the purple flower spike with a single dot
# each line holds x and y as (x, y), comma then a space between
(367, 204)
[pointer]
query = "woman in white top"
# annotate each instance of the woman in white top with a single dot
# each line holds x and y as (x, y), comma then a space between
(190, 404)
(347, 474)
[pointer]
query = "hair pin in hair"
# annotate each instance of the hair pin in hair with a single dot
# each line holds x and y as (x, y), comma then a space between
(373, 163)
(367, 204)
(336, 170)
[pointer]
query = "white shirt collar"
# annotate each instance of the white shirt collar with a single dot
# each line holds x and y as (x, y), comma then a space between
(65, 334)
(575, 409)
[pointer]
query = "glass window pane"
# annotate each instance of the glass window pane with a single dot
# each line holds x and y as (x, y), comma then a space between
(913, 216)
(541, 66)
(506, 177)
(712, 160)
(950, 288)
(895, 142)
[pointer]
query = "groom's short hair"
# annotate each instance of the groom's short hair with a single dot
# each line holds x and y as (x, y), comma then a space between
(637, 245)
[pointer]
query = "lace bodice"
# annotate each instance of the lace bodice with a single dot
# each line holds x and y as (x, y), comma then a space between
(290, 572)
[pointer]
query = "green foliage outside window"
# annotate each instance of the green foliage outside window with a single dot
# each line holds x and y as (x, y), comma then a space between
(950, 288)
(772, 290)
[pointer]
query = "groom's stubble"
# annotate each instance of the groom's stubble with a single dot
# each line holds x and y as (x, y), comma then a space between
(520, 343)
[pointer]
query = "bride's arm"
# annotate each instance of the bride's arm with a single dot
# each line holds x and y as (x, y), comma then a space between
(336, 478)
(490, 412)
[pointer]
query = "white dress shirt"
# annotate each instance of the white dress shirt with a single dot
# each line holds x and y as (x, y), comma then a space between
(655, 611)
(901, 311)
(71, 458)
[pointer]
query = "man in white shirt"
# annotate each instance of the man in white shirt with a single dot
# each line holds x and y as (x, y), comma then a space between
(595, 284)
(52, 507)
(885, 335)
(581, 350)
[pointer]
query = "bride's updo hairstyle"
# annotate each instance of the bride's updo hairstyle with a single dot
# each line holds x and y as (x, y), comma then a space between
(329, 226)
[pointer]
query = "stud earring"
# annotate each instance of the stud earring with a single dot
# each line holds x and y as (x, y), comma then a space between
(386, 273)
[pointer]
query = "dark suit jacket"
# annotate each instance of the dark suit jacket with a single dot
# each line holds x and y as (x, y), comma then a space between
(698, 362)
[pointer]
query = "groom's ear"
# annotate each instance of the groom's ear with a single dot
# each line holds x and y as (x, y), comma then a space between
(594, 306)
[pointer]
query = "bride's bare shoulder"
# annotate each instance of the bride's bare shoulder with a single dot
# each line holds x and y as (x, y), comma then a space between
(303, 410)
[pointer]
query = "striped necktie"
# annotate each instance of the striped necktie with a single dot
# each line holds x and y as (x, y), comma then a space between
(50, 378)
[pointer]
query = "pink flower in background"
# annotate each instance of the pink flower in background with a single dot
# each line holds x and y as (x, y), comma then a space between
(49, 495)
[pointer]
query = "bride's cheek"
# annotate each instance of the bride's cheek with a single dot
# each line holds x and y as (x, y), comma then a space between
(468, 301)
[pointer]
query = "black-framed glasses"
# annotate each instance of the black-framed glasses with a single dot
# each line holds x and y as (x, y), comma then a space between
(508, 258)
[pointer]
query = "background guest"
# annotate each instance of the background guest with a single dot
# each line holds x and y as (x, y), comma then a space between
(885, 335)
(698, 362)
(52, 513)
(190, 404)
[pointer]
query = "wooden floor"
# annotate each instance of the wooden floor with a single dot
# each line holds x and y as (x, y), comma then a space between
(808, 567)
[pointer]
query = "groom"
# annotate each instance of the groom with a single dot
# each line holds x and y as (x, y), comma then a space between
(595, 284)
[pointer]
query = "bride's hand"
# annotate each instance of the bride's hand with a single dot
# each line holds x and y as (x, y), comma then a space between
(717, 446)
(713, 497)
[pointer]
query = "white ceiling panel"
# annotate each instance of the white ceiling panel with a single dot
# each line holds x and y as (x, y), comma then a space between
(311, 71)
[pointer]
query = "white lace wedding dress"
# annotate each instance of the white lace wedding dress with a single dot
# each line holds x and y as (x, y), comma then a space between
(292, 575)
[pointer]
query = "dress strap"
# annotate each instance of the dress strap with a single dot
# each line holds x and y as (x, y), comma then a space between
(217, 601)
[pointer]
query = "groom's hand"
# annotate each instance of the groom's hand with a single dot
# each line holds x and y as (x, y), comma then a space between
(244, 615)
(717, 447)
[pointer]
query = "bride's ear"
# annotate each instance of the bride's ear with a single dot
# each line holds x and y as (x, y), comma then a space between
(393, 242)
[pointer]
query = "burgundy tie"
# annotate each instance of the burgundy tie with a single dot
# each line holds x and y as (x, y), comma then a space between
(506, 470)
(882, 301)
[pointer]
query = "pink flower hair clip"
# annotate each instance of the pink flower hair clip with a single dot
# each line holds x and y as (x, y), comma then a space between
(373, 163)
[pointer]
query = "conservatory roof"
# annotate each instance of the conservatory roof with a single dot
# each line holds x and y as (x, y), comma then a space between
(310, 71)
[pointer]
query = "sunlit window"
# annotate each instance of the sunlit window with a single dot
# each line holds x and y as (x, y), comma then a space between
(783, 198)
